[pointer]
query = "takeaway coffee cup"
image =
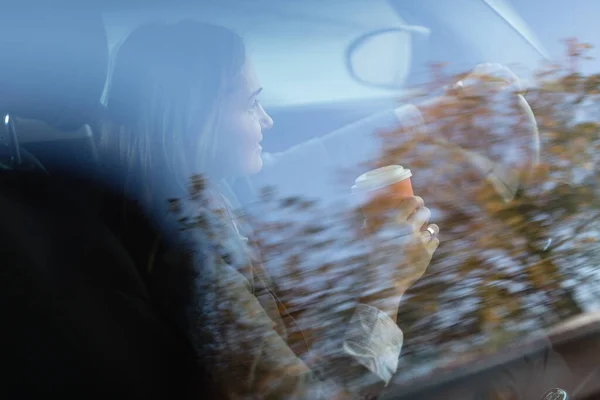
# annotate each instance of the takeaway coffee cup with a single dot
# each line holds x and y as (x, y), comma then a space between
(393, 181)
(381, 190)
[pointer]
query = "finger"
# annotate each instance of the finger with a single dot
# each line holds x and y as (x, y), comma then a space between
(419, 219)
(408, 206)
(432, 245)
(427, 234)
(434, 228)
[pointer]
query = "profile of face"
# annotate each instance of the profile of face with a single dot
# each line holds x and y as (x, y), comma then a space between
(243, 122)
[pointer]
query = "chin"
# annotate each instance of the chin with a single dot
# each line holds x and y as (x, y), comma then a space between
(254, 166)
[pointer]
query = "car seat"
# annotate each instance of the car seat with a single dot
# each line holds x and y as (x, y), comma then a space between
(78, 321)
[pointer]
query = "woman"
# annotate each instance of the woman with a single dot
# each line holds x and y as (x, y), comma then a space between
(183, 102)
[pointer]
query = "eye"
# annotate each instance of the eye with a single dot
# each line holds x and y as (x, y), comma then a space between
(254, 105)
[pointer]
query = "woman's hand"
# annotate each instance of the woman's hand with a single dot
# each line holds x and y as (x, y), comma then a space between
(400, 254)
(495, 92)
(421, 242)
(487, 79)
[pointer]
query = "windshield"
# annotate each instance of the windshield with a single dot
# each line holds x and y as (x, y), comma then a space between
(308, 40)
(346, 196)
(479, 295)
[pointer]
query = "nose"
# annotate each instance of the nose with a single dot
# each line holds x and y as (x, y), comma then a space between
(266, 122)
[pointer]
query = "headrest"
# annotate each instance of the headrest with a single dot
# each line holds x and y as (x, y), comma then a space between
(53, 64)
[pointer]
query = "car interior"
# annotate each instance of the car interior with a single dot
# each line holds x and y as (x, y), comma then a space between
(78, 317)
(79, 320)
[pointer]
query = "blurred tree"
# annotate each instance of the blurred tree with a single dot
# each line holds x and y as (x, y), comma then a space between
(504, 270)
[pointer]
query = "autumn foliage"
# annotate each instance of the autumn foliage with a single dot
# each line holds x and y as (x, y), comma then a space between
(504, 270)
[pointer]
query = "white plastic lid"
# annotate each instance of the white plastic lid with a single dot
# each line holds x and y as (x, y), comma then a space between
(380, 178)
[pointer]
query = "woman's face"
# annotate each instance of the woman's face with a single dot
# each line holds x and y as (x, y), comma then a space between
(244, 121)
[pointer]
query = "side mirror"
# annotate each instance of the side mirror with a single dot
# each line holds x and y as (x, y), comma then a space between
(384, 58)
